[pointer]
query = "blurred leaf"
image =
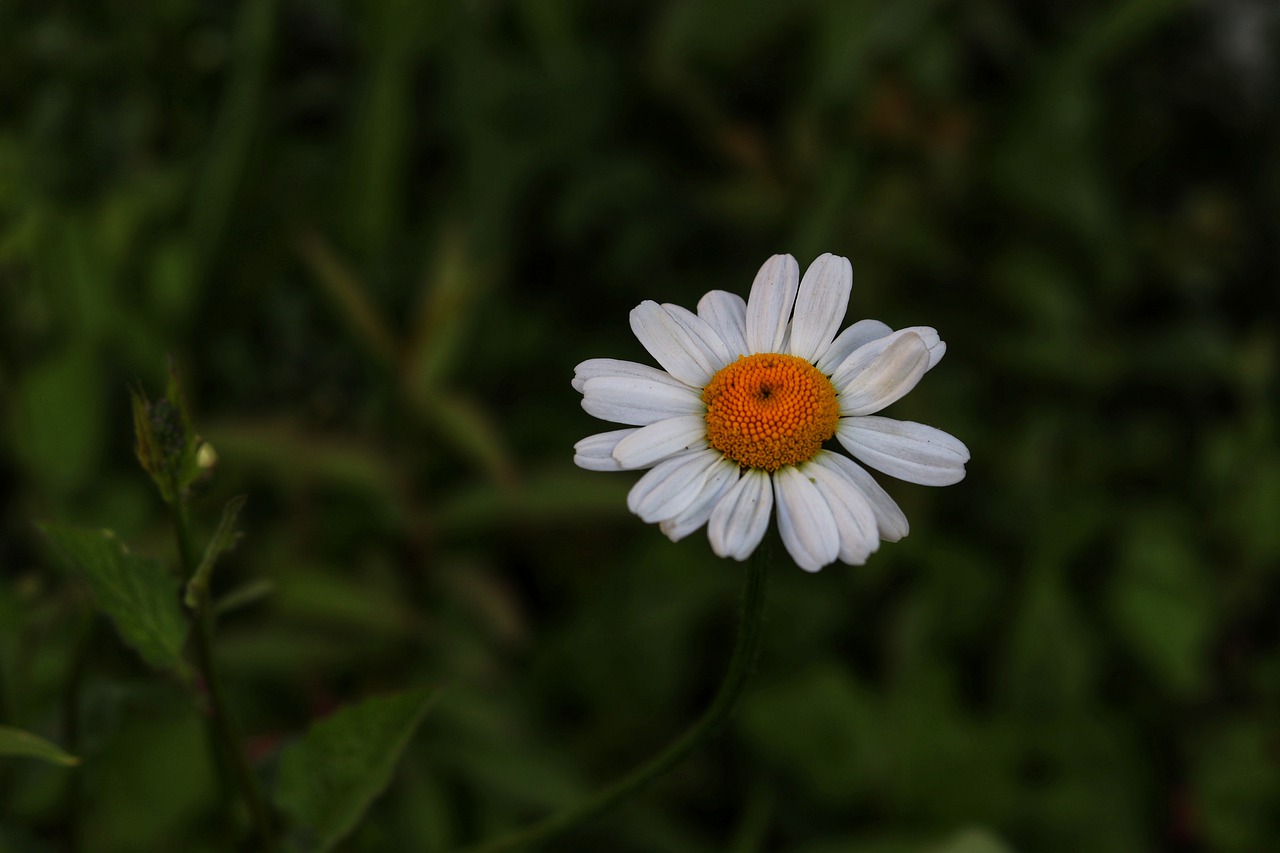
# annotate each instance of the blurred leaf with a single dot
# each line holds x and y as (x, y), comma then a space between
(934, 741)
(909, 840)
(328, 779)
(1162, 603)
(380, 129)
(171, 281)
(521, 772)
(856, 33)
(244, 595)
(1050, 666)
(1120, 26)
(424, 811)
(349, 295)
(82, 276)
(1236, 785)
(567, 495)
(1058, 120)
(476, 736)
(18, 742)
(139, 596)
(1041, 288)
(1252, 493)
(152, 782)
(293, 455)
(823, 728)
(447, 299)
(971, 841)
(343, 603)
(58, 413)
(470, 429)
(227, 151)
(283, 651)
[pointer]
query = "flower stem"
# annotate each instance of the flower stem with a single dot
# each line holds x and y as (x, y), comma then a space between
(741, 665)
(222, 725)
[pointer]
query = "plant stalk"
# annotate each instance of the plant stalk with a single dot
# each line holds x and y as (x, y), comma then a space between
(741, 665)
(222, 726)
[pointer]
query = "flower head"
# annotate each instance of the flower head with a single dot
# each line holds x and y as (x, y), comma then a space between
(735, 422)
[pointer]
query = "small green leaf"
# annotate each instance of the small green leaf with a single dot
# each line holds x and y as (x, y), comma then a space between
(223, 540)
(184, 462)
(139, 596)
(146, 447)
(18, 742)
(167, 445)
(328, 779)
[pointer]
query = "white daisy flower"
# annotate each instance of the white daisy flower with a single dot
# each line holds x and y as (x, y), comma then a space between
(734, 424)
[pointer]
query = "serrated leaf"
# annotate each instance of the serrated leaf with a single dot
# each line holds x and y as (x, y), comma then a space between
(138, 595)
(329, 778)
(23, 743)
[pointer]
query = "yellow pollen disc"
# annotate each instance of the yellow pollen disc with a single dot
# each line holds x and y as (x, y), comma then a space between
(768, 410)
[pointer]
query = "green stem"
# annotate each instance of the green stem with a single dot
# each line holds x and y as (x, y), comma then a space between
(71, 830)
(222, 725)
(741, 665)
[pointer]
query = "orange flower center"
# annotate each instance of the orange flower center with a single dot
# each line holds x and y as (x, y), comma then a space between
(768, 410)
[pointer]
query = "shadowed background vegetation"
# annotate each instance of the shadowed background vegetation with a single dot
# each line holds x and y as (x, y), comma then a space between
(377, 237)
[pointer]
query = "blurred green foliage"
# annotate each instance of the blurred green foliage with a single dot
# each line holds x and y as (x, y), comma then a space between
(377, 237)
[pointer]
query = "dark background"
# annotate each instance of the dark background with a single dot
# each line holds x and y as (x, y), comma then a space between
(377, 237)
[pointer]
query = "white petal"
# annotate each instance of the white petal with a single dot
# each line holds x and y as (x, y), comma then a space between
(890, 518)
(724, 474)
(684, 355)
(595, 452)
(740, 519)
(769, 307)
(843, 371)
(805, 521)
(855, 520)
(625, 400)
(727, 314)
(713, 346)
(672, 485)
(880, 376)
(936, 352)
(905, 449)
(929, 335)
(657, 441)
(593, 367)
(820, 306)
(861, 332)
